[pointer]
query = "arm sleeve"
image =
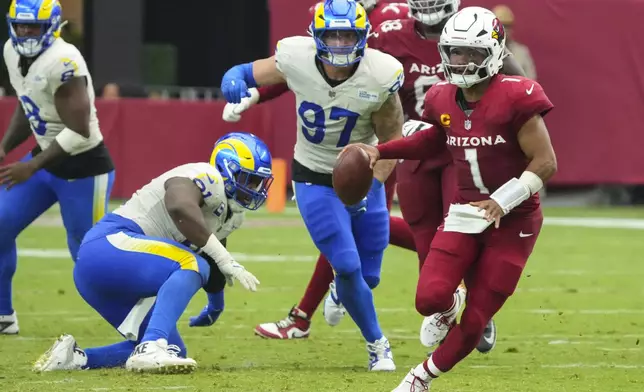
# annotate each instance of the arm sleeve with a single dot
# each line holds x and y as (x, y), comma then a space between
(421, 145)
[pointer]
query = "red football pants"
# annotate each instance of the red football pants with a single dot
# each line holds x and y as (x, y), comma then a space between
(424, 194)
(491, 263)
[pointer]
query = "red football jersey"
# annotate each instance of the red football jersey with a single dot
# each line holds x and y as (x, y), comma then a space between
(484, 145)
(383, 12)
(422, 64)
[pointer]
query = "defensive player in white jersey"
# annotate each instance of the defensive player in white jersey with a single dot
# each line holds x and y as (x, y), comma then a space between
(345, 93)
(140, 265)
(70, 163)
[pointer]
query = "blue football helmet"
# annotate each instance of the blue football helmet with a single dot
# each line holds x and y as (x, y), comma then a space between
(340, 29)
(44, 15)
(245, 164)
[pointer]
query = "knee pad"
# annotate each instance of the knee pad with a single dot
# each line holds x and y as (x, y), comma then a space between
(434, 297)
(372, 281)
(345, 264)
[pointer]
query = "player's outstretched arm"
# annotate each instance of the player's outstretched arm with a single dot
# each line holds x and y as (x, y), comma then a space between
(387, 123)
(266, 72)
(73, 106)
(17, 132)
(420, 145)
(183, 200)
(237, 80)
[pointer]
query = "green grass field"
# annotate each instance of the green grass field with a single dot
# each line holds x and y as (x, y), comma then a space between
(574, 324)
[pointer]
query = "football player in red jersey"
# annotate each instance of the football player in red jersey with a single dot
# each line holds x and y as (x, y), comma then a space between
(380, 11)
(425, 187)
(493, 127)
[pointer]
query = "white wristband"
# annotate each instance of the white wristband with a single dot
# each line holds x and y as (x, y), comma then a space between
(532, 181)
(254, 95)
(511, 194)
(70, 141)
(217, 251)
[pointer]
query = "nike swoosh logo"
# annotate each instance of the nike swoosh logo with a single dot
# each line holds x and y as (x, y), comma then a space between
(489, 340)
(522, 235)
(5, 324)
(529, 91)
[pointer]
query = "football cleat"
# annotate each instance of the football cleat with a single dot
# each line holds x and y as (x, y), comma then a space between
(9, 324)
(413, 383)
(488, 340)
(64, 354)
(333, 311)
(381, 359)
(159, 357)
(295, 326)
(435, 327)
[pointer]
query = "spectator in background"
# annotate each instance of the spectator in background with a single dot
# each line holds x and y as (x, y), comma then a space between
(111, 91)
(520, 51)
(114, 90)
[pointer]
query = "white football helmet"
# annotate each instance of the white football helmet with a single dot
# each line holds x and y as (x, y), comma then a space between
(472, 28)
(432, 12)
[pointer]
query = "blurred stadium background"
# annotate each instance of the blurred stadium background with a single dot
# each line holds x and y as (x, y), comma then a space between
(576, 321)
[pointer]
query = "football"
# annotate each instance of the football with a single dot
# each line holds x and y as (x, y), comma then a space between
(352, 176)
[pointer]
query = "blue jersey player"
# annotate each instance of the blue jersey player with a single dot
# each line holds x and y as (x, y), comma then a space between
(70, 164)
(140, 265)
(345, 93)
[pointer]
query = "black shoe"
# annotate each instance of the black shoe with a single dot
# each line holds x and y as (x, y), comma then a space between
(488, 340)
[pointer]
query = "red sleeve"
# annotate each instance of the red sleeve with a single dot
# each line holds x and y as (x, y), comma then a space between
(388, 11)
(532, 101)
(417, 147)
(428, 112)
(376, 40)
(266, 93)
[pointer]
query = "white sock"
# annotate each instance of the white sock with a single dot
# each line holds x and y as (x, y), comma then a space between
(420, 372)
(429, 370)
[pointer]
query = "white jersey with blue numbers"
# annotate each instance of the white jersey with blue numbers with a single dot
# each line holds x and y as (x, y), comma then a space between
(329, 118)
(147, 207)
(35, 91)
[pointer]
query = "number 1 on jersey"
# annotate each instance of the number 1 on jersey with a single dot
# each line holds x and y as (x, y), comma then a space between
(471, 155)
(318, 125)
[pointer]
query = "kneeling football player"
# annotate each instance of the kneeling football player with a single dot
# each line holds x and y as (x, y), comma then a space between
(140, 266)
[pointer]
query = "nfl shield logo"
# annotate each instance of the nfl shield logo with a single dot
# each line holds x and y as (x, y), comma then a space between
(331, 94)
(468, 125)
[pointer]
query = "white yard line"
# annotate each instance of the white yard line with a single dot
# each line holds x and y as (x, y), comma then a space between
(604, 223)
